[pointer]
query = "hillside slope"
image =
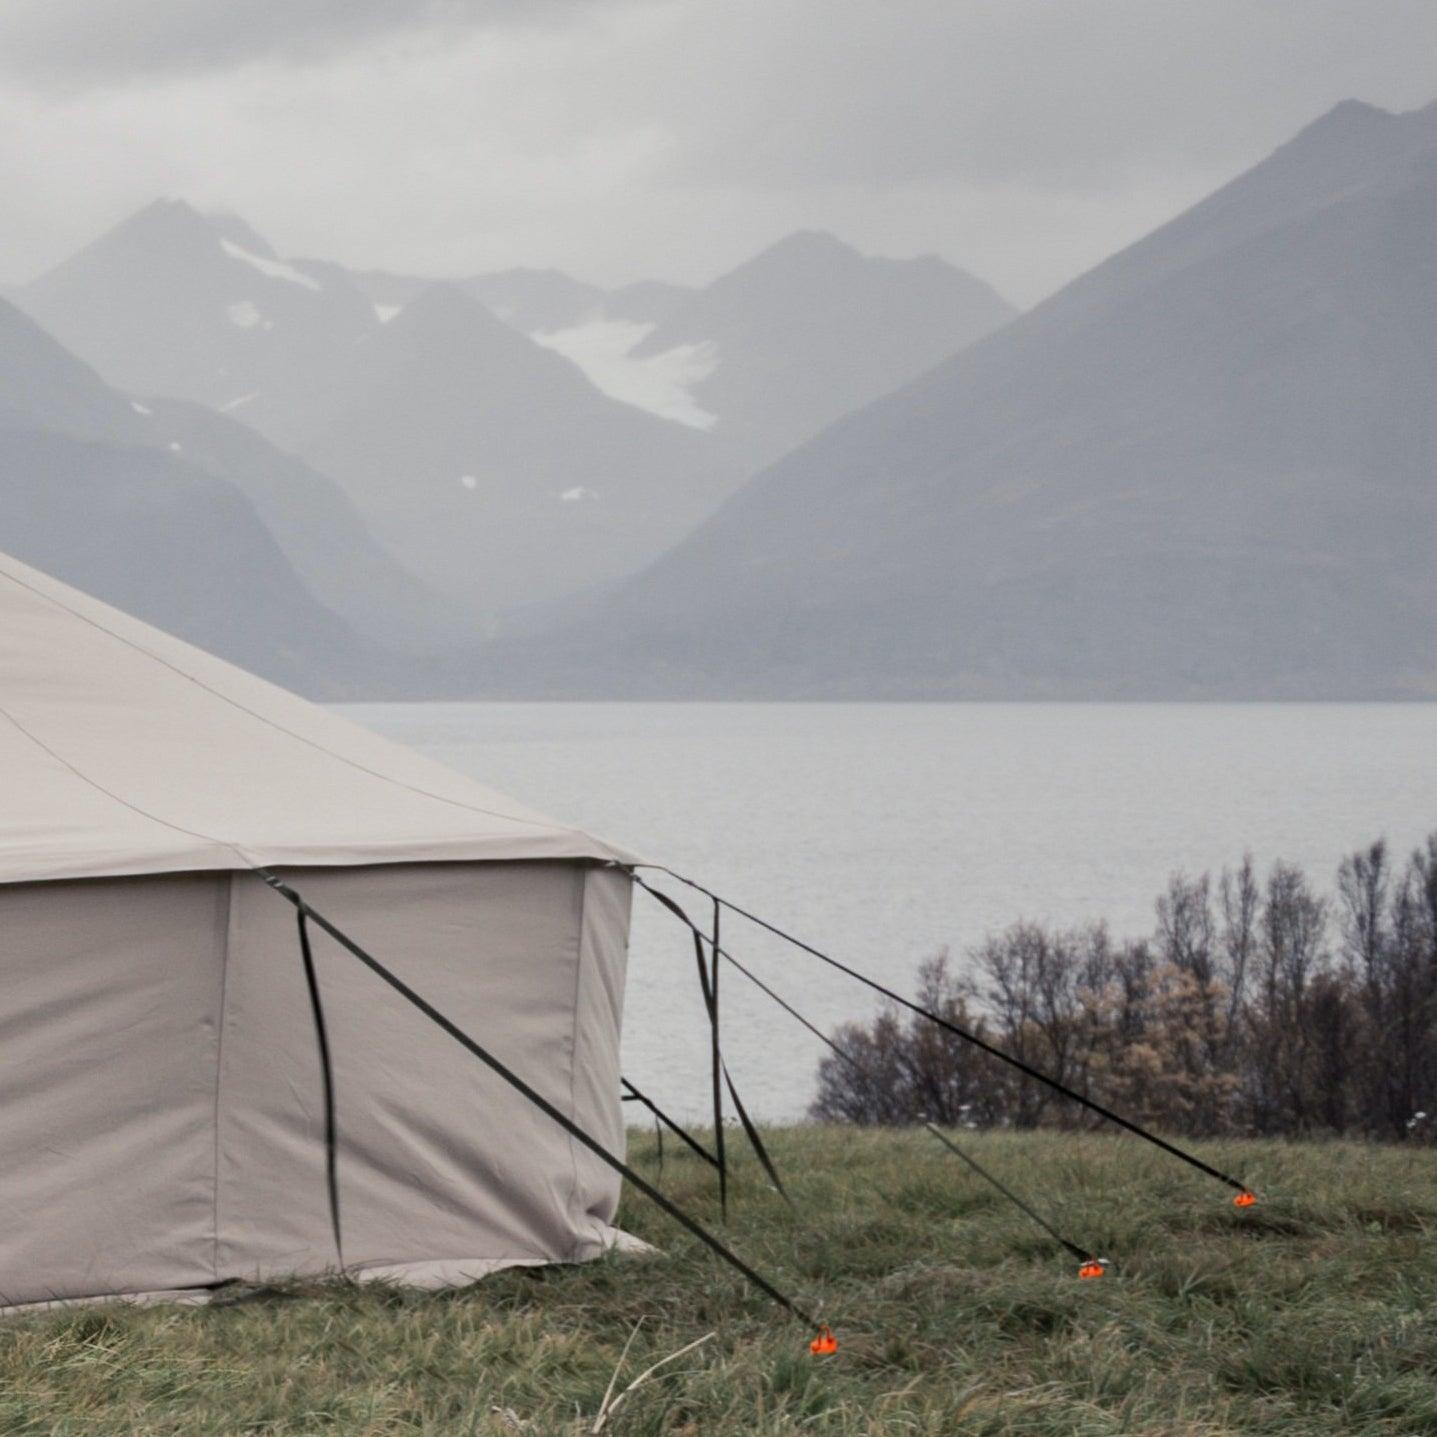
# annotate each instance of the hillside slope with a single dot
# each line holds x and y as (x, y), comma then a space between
(493, 467)
(1204, 469)
(810, 328)
(196, 306)
(136, 504)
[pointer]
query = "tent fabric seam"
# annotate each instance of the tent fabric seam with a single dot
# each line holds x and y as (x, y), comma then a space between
(120, 799)
(582, 875)
(246, 864)
(231, 916)
(280, 728)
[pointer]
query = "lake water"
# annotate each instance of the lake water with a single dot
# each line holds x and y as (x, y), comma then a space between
(884, 832)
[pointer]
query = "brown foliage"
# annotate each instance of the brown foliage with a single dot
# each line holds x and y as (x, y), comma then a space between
(1253, 1008)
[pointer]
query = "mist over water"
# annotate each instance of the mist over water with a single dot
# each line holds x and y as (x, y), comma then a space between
(882, 833)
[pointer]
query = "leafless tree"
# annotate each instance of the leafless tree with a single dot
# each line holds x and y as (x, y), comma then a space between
(1240, 1015)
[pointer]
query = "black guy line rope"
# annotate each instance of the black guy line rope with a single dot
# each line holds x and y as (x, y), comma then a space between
(846, 1057)
(537, 1099)
(661, 1116)
(1136, 1128)
(326, 1068)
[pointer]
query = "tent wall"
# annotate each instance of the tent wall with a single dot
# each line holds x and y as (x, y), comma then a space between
(441, 1163)
(109, 1011)
(162, 1123)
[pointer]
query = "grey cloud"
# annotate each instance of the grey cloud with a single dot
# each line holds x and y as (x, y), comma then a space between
(1023, 91)
(82, 42)
(1024, 139)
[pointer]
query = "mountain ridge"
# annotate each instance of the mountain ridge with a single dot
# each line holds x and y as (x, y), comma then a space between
(157, 507)
(809, 328)
(1201, 470)
(493, 465)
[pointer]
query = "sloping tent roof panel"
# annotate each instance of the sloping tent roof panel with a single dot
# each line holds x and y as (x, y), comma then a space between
(127, 751)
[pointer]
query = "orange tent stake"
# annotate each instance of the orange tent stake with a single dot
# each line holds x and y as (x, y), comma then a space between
(1097, 1267)
(825, 1343)
(1244, 1199)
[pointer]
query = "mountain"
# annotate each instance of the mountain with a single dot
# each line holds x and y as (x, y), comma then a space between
(810, 329)
(387, 291)
(1204, 469)
(201, 307)
(492, 466)
(533, 301)
(157, 508)
(529, 300)
(765, 355)
(493, 463)
(592, 327)
(536, 300)
(43, 386)
(317, 527)
(541, 301)
(646, 301)
(196, 306)
(180, 549)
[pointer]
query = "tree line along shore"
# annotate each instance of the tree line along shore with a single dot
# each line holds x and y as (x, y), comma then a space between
(1259, 1006)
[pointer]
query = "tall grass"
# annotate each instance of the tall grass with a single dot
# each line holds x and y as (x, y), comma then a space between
(1314, 1313)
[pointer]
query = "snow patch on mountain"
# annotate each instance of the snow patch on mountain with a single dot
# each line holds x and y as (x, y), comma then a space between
(272, 268)
(243, 314)
(658, 383)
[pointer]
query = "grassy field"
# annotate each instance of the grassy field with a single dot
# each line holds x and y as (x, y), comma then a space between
(1315, 1312)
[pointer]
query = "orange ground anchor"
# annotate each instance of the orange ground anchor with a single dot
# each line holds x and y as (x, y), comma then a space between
(1245, 1199)
(825, 1343)
(1097, 1267)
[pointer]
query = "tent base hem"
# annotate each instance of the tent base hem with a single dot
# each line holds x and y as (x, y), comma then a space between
(430, 1275)
(460, 1272)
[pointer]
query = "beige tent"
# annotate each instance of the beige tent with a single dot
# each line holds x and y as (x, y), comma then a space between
(162, 1125)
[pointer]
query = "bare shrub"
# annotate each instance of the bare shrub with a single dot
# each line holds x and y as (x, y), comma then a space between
(1241, 1014)
(900, 1068)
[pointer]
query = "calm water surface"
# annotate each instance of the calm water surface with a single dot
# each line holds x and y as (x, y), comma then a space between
(884, 832)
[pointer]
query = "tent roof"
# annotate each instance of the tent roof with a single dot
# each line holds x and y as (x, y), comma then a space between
(124, 750)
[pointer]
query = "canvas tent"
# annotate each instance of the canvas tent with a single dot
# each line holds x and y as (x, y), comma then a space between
(161, 1095)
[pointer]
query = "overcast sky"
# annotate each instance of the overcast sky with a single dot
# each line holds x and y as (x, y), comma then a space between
(1022, 139)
